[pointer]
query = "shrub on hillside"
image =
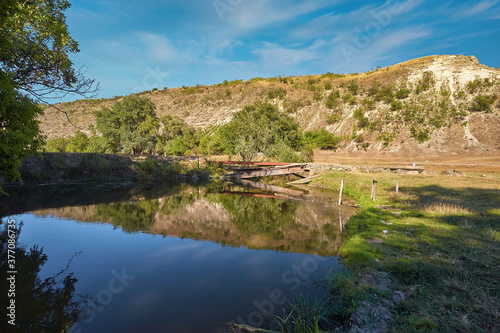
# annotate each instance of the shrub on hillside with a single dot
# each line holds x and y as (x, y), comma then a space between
(321, 139)
(353, 88)
(403, 93)
(483, 103)
(385, 94)
(279, 93)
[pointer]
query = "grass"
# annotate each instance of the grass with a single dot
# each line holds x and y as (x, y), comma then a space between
(438, 243)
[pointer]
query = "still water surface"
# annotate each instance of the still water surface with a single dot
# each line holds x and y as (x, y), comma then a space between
(178, 259)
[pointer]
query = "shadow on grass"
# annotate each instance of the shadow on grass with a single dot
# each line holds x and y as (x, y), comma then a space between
(443, 253)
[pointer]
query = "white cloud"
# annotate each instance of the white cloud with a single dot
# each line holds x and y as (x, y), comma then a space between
(276, 55)
(261, 13)
(160, 49)
(476, 9)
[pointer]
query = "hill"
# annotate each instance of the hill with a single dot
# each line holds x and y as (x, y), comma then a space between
(431, 106)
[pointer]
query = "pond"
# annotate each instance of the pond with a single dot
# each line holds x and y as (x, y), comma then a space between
(165, 259)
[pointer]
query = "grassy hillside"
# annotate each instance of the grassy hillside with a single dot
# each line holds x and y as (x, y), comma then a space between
(432, 105)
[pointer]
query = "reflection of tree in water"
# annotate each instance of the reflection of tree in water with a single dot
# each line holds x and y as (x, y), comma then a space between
(175, 203)
(130, 216)
(48, 305)
(254, 215)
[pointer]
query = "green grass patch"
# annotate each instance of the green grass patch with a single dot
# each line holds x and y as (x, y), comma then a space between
(438, 242)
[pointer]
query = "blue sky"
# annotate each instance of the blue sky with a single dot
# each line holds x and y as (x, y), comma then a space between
(131, 46)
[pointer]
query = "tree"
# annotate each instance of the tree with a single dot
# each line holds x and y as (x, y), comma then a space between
(130, 126)
(34, 60)
(176, 137)
(34, 48)
(260, 128)
(19, 131)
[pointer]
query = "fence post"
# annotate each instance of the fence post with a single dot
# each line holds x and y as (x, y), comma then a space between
(373, 189)
(340, 193)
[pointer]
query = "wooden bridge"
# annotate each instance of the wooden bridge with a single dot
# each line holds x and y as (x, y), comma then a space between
(261, 169)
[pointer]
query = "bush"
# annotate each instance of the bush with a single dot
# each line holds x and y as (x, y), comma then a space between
(353, 88)
(332, 99)
(385, 94)
(396, 105)
(363, 122)
(333, 117)
(279, 93)
(426, 82)
(328, 85)
(483, 103)
(369, 103)
(56, 145)
(403, 93)
(374, 89)
(421, 135)
(359, 113)
(321, 139)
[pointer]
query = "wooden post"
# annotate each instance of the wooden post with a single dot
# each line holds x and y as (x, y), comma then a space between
(397, 189)
(373, 189)
(341, 222)
(340, 193)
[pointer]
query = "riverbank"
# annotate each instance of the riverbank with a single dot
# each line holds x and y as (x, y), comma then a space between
(71, 168)
(426, 259)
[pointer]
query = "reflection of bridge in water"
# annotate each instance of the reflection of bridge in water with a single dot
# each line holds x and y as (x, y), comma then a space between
(277, 191)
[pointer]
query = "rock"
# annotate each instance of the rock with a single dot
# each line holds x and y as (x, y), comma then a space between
(456, 173)
(398, 296)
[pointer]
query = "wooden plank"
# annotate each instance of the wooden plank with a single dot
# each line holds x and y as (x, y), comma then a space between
(252, 163)
(270, 188)
(261, 173)
(303, 181)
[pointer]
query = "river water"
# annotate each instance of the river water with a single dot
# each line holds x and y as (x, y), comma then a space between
(165, 259)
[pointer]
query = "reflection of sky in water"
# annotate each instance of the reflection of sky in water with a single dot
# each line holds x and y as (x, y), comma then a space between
(180, 285)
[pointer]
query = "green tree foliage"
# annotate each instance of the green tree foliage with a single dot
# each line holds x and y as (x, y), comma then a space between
(35, 45)
(175, 137)
(19, 132)
(130, 126)
(79, 143)
(34, 58)
(56, 145)
(259, 128)
(321, 139)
